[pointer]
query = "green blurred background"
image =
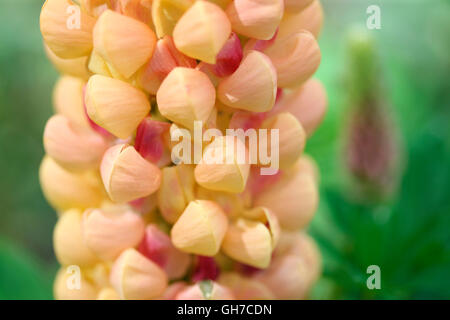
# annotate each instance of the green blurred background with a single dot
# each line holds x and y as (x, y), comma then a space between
(396, 217)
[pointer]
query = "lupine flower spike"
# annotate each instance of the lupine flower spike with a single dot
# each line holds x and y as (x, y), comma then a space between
(156, 197)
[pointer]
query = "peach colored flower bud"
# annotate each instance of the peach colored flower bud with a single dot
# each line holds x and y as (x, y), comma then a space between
(115, 105)
(295, 6)
(173, 290)
(293, 198)
(76, 67)
(300, 244)
(68, 100)
(109, 232)
(123, 42)
(156, 246)
(287, 278)
(65, 36)
(268, 218)
(229, 57)
(65, 189)
(310, 19)
(108, 294)
(71, 146)
(166, 13)
(126, 175)
(244, 288)
(135, 277)
(224, 165)
(252, 87)
(165, 58)
(249, 242)
(292, 137)
(200, 229)
(176, 191)
(205, 290)
(70, 248)
(307, 103)
(66, 287)
(202, 31)
(295, 58)
(255, 18)
(186, 95)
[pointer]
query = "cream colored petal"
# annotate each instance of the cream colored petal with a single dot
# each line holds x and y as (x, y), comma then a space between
(255, 18)
(295, 58)
(252, 87)
(127, 176)
(292, 138)
(287, 278)
(268, 218)
(115, 105)
(65, 189)
(71, 146)
(68, 100)
(65, 286)
(307, 103)
(98, 65)
(76, 67)
(66, 30)
(125, 43)
(249, 242)
(109, 232)
(135, 277)
(224, 165)
(186, 95)
(200, 229)
(293, 199)
(68, 242)
(166, 13)
(311, 19)
(176, 190)
(202, 31)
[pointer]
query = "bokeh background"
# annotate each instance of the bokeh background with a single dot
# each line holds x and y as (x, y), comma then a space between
(383, 151)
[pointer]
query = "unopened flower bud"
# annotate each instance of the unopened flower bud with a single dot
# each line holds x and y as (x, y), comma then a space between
(135, 277)
(224, 165)
(166, 13)
(75, 67)
(255, 18)
(66, 37)
(245, 288)
(70, 248)
(72, 146)
(200, 229)
(127, 176)
(115, 105)
(202, 31)
(186, 95)
(310, 18)
(295, 58)
(109, 232)
(65, 189)
(252, 87)
(123, 42)
(176, 191)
